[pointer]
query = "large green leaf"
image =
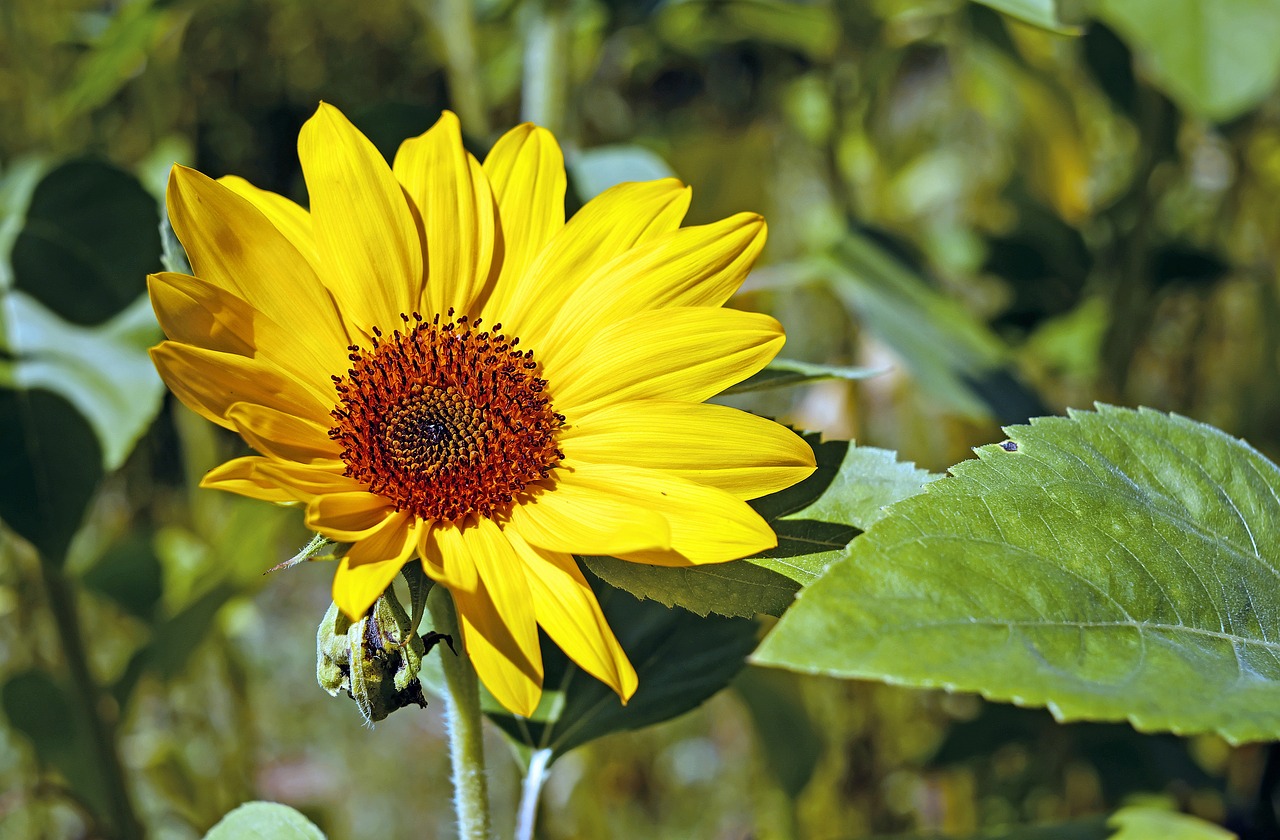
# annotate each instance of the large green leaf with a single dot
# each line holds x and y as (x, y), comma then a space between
(1115, 565)
(739, 588)
(264, 821)
(1216, 58)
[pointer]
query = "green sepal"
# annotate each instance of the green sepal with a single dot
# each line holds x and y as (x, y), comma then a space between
(376, 659)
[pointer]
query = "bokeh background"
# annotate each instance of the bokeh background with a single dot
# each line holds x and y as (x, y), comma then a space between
(1005, 220)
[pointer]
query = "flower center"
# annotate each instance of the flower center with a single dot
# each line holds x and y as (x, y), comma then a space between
(446, 420)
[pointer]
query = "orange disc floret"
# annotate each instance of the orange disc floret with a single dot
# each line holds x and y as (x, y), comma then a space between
(445, 419)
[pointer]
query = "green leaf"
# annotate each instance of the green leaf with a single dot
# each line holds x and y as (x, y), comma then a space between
(737, 589)
(789, 739)
(816, 519)
(1141, 823)
(52, 466)
(104, 371)
(264, 821)
(681, 660)
(43, 710)
(1043, 13)
(130, 574)
(785, 372)
(90, 238)
(1217, 59)
(1116, 565)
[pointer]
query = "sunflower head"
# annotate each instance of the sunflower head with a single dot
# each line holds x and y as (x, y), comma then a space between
(442, 370)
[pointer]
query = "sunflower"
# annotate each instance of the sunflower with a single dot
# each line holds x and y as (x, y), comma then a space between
(439, 366)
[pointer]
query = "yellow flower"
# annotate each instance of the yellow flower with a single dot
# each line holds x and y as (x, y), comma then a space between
(439, 366)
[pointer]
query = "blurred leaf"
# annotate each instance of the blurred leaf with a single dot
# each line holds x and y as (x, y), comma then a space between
(785, 372)
(41, 709)
(788, 737)
(89, 240)
(52, 466)
(954, 357)
(104, 371)
(816, 519)
(129, 573)
(118, 55)
(681, 660)
(596, 170)
(695, 25)
(736, 589)
(1111, 566)
(1043, 13)
(1216, 59)
(1140, 823)
(264, 821)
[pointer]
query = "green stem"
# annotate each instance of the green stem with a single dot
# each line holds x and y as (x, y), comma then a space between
(534, 778)
(99, 711)
(544, 98)
(466, 735)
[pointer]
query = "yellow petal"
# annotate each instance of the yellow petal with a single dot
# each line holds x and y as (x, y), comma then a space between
(290, 219)
(526, 169)
(498, 622)
(697, 266)
(349, 516)
(365, 232)
(722, 447)
(707, 525)
(307, 481)
(372, 564)
(195, 312)
(209, 383)
(577, 519)
(283, 436)
(700, 352)
(614, 222)
(233, 246)
(241, 476)
(459, 217)
(568, 610)
(445, 549)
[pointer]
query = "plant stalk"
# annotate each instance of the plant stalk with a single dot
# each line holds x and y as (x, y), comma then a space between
(530, 793)
(99, 716)
(544, 98)
(464, 722)
(455, 23)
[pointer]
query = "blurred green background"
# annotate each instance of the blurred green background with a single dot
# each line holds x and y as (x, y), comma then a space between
(1009, 219)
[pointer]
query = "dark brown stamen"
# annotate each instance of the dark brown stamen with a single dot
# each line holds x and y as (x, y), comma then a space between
(445, 420)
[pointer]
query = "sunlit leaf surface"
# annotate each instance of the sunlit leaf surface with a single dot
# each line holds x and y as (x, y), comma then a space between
(1115, 565)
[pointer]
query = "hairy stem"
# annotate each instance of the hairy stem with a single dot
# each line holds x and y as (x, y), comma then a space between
(466, 741)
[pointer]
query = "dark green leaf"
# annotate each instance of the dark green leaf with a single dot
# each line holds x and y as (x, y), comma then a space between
(739, 588)
(788, 737)
(89, 241)
(681, 659)
(52, 466)
(1115, 565)
(129, 573)
(816, 519)
(264, 821)
(1043, 13)
(43, 710)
